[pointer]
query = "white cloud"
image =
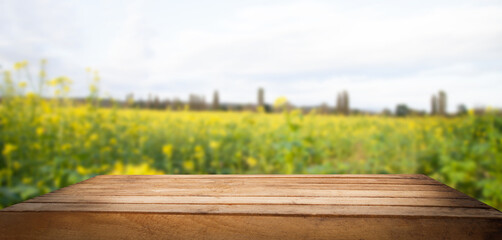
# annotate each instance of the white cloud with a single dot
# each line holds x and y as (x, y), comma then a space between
(383, 52)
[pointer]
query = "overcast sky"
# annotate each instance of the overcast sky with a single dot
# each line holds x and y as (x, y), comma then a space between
(381, 52)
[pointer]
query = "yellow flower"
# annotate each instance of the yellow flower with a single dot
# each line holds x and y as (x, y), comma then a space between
(22, 84)
(16, 165)
(280, 102)
(65, 147)
(93, 137)
(168, 150)
(93, 88)
(81, 170)
(142, 139)
(36, 146)
(31, 95)
(60, 81)
(27, 180)
(214, 144)
(65, 80)
(199, 152)
(141, 169)
(53, 82)
(19, 65)
(40, 131)
(188, 165)
(251, 161)
(8, 149)
(7, 77)
(96, 76)
(106, 149)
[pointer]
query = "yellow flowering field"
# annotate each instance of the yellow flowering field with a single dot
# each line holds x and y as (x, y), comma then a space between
(47, 144)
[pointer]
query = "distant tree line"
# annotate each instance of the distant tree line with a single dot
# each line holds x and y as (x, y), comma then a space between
(341, 107)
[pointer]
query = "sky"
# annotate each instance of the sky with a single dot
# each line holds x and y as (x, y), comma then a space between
(382, 52)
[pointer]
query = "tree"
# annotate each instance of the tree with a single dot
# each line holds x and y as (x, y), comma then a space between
(177, 104)
(149, 101)
(442, 103)
(346, 108)
(386, 112)
(434, 105)
(196, 102)
(461, 110)
(323, 109)
(156, 102)
(342, 103)
(216, 100)
(338, 105)
(402, 110)
(129, 100)
(261, 97)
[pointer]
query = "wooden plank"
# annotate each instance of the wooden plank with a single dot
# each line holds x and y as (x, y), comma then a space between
(194, 186)
(267, 180)
(261, 209)
(81, 225)
(256, 192)
(261, 200)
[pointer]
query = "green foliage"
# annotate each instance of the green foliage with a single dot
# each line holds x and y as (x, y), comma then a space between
(402, 110)
(47, 144)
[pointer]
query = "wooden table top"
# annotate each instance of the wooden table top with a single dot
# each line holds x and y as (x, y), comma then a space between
(398, 200)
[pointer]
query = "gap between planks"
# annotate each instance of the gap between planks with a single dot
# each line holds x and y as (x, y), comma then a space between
(302, 176)
(290, 181)
(275, 210)
(262, 192)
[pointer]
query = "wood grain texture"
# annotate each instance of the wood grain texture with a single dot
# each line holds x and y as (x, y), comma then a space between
(253, 207)
(461, 202)
(85, 225)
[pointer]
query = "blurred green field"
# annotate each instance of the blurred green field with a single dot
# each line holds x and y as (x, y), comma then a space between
(47, 144)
